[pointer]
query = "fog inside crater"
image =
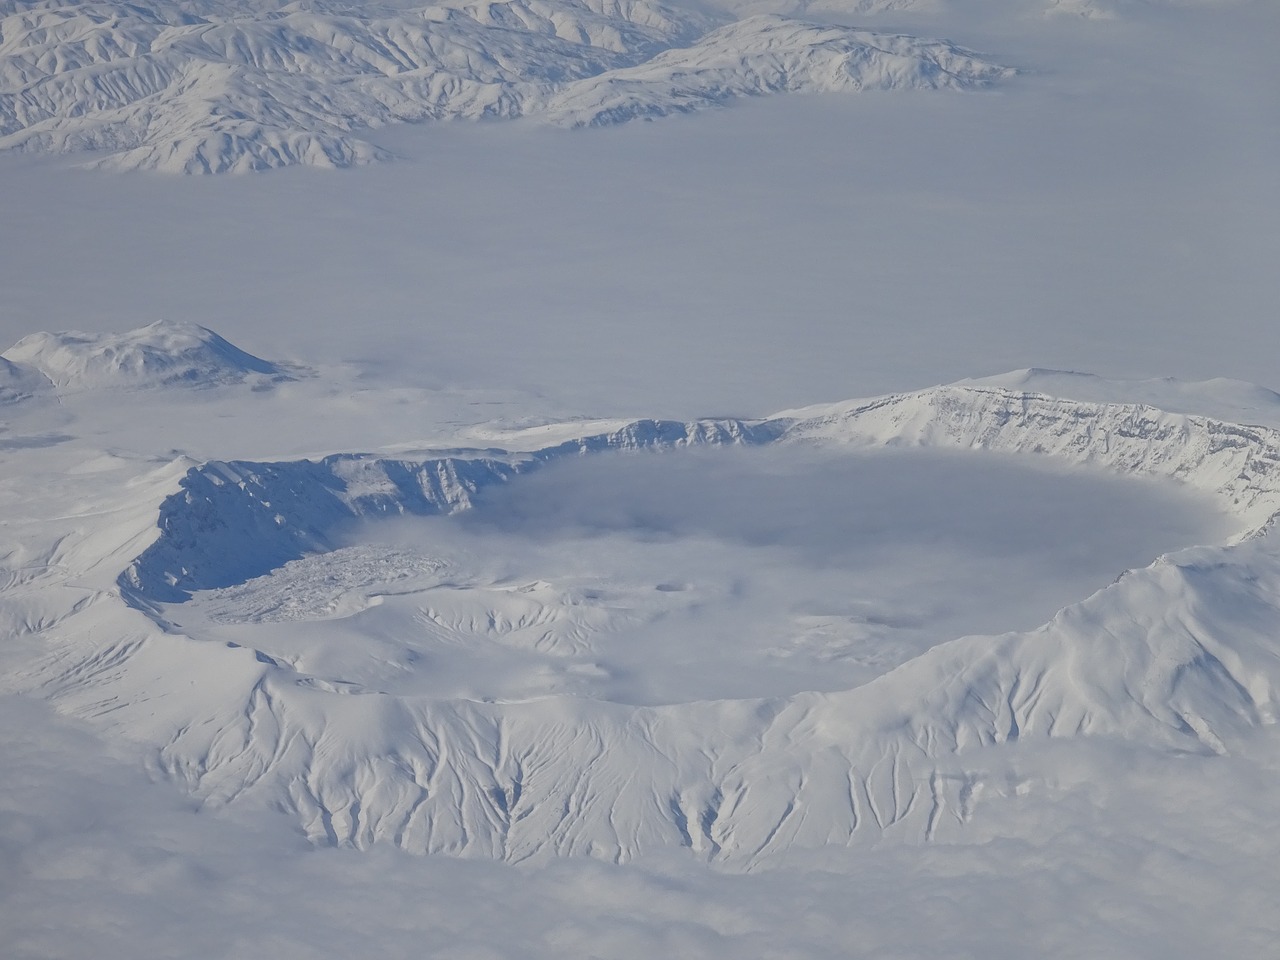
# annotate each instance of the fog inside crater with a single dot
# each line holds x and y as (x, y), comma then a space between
(651, 578)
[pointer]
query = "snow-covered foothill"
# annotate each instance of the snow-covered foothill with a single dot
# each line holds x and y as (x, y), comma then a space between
(161, 354)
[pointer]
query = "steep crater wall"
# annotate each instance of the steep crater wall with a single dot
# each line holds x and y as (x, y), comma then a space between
(231, 521)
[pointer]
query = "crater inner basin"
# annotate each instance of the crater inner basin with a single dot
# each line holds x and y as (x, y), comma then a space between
(650, 578)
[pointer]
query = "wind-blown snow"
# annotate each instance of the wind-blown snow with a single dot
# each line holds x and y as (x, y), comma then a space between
(242, 87)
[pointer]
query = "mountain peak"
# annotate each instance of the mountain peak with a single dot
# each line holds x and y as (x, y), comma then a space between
(160, 354)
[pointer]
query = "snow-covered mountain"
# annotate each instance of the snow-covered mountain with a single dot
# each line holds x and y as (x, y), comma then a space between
(1176, 656)
(769, 54)
(161, 354)
(209, 88)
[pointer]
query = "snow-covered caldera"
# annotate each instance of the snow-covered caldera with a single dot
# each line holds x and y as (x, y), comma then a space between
(209, 88)
(297, 634)
(162, 354)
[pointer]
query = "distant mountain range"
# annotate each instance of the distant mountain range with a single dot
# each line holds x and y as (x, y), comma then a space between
(232, 87)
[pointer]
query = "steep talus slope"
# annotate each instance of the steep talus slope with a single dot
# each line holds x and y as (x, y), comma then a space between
(211, 88)
(1178, 656)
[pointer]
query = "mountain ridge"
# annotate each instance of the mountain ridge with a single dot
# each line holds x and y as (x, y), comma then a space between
(239, 89)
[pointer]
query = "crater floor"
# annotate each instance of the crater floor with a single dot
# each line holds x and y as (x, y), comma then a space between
(650, 578)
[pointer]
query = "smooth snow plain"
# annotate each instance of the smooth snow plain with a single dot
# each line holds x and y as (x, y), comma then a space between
(1090, 774)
